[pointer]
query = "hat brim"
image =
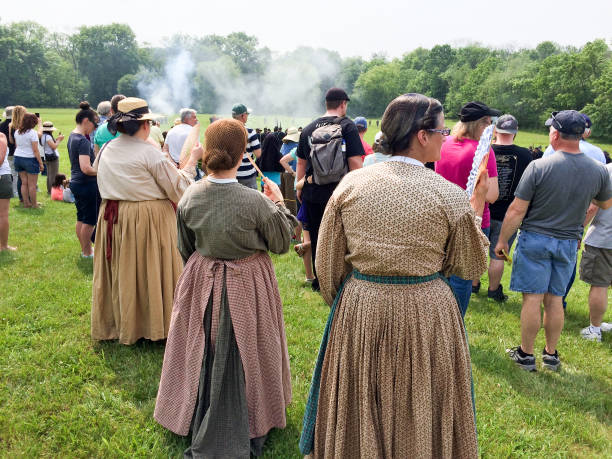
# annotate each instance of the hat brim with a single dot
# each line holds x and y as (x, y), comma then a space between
(48, 129)
(145, 117)
(292, 137)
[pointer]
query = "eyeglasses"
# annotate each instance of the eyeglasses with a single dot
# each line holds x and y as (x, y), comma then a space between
(444, 132)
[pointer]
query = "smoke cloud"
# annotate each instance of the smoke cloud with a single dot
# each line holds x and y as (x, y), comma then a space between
(291, 84)
(172, 91)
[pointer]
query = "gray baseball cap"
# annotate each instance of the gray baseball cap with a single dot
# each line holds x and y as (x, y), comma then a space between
(506, 124)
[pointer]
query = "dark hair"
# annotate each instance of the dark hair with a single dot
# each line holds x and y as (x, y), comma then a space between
(225, 145)
(59, 180)
(115, 102)
(29, 121)
(130, 127)
(49, 133)
(332, 104)
(86, 112)
(404, 117)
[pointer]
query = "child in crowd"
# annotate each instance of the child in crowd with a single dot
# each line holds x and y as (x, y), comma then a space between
(60, 190)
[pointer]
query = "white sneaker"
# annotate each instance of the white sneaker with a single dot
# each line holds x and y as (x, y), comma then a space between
(606, 327)
(589, 334)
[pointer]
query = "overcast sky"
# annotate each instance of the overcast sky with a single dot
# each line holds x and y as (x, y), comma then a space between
(353, 27)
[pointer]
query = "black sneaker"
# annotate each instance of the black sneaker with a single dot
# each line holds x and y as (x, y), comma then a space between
(551, 362)
(526, 363)
(497, 294)
(476, 288)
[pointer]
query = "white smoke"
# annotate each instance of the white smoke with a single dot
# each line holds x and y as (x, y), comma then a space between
(173, 90)
(291, 84)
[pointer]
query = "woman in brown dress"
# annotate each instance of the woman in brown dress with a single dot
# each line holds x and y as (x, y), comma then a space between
(393, 376)
(136, 260)
(226, 374)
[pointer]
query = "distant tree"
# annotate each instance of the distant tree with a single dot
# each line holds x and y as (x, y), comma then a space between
(350, 70)
(128, 85)
(105, 54)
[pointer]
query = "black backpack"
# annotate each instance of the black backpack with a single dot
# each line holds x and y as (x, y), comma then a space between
(328, 153)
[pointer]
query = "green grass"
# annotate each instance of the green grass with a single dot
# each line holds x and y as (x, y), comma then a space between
(63, 395)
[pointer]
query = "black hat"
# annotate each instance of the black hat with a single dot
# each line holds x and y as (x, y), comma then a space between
(336, 94)
(506, 124)
(473, 111)
(567, 121)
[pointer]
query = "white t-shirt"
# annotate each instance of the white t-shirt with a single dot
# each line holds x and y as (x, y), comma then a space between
(5, 167)
(176, 138)
(23, 143)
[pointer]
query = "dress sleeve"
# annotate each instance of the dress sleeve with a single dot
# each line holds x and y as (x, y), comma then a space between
(173, 181)
(466, 249)
(186, 237)
(331, 251)
(277, 227)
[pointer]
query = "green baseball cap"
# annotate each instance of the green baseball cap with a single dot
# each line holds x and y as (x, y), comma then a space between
(239, 109)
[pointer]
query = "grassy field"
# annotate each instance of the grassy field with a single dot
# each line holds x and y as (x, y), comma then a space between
(63, 395)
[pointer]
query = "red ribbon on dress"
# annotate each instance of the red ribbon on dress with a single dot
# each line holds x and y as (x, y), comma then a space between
(111, 214)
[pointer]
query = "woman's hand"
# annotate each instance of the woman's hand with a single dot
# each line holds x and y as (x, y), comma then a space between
(41, 166)
(272, 191)
(60, 138)
(197, 152)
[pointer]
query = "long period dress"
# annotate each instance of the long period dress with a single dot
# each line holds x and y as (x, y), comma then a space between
(226, 376)
(136, 260)
(395, 375)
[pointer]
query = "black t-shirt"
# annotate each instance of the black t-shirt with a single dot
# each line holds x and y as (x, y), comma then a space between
(322, 193)
(4, 128)
(78, 145)
(512, 161)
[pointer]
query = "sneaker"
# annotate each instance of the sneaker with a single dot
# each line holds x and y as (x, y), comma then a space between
(551, 362)
(606, 327)
(497, 294)
(589, 334)
(476, 288)
(526, 363)
(86, 256)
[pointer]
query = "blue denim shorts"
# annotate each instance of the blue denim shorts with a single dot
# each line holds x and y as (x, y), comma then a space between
(28, 165)
(542, 264)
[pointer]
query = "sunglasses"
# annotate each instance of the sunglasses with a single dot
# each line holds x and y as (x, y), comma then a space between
(445, 132)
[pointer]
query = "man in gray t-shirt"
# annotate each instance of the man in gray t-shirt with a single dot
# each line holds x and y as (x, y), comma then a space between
(551, 201)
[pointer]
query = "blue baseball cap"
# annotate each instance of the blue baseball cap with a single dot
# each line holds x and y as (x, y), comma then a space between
(567, 121)
(587, 120)
(360, 121)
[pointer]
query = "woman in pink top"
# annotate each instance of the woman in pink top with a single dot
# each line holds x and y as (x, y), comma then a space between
(455, 164)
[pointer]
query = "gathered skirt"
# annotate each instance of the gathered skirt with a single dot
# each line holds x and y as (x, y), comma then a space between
(225, 376)
(396, 377)
(133, 287)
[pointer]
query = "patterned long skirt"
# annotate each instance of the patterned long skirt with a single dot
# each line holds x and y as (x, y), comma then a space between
(396, 377)
(226, 375)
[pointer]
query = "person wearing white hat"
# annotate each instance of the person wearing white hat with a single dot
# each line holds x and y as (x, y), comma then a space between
(49, 147)
(6, 193)
(136, 260)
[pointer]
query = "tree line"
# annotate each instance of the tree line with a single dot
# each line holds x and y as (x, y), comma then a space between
(41, 68)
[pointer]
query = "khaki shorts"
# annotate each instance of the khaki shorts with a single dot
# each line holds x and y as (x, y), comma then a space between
(596, 266)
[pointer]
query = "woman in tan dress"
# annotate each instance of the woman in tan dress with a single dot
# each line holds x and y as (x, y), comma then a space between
(393, 375)
(136, 260)
(226, 377)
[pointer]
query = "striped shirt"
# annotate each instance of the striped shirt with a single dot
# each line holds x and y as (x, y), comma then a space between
(246, 169)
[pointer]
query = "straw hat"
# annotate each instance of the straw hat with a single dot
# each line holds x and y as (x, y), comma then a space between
(293, 135)
(134, 109)
(48, 127)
